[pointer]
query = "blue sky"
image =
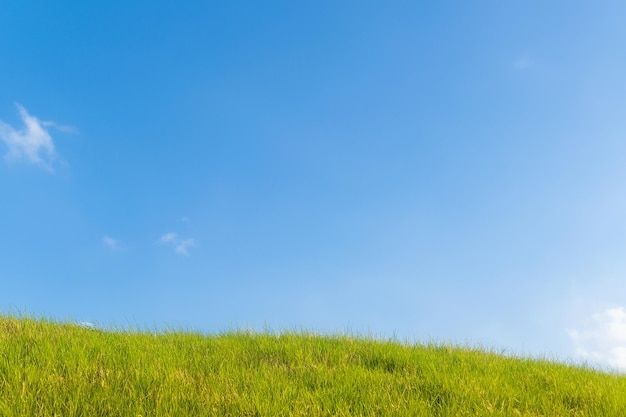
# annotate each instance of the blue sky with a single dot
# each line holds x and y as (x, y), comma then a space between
(450, 172)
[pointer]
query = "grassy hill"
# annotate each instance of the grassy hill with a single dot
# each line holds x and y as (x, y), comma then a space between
(56, 369)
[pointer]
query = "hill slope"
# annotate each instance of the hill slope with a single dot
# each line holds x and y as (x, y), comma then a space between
(49, 368)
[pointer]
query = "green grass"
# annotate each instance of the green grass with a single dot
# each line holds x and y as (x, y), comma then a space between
(54, 369)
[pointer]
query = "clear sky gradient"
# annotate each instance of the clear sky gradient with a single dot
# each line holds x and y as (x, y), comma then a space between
(430, 170)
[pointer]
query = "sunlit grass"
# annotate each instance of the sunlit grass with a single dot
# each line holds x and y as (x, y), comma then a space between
(56, 369)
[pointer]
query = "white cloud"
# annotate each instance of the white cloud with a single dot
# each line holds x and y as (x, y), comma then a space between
(603, 339)
(31, 143)
(111, 243)
(180, 245)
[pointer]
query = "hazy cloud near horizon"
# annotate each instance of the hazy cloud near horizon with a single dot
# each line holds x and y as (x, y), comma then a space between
(603, 338)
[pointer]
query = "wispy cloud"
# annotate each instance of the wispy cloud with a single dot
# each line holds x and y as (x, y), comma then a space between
(603, 338)
(61, 128)
(111, 243)
(181, 245)
(32, 143)
(522, 62)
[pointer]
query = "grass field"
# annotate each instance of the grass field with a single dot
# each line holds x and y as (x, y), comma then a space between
(55, 369)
